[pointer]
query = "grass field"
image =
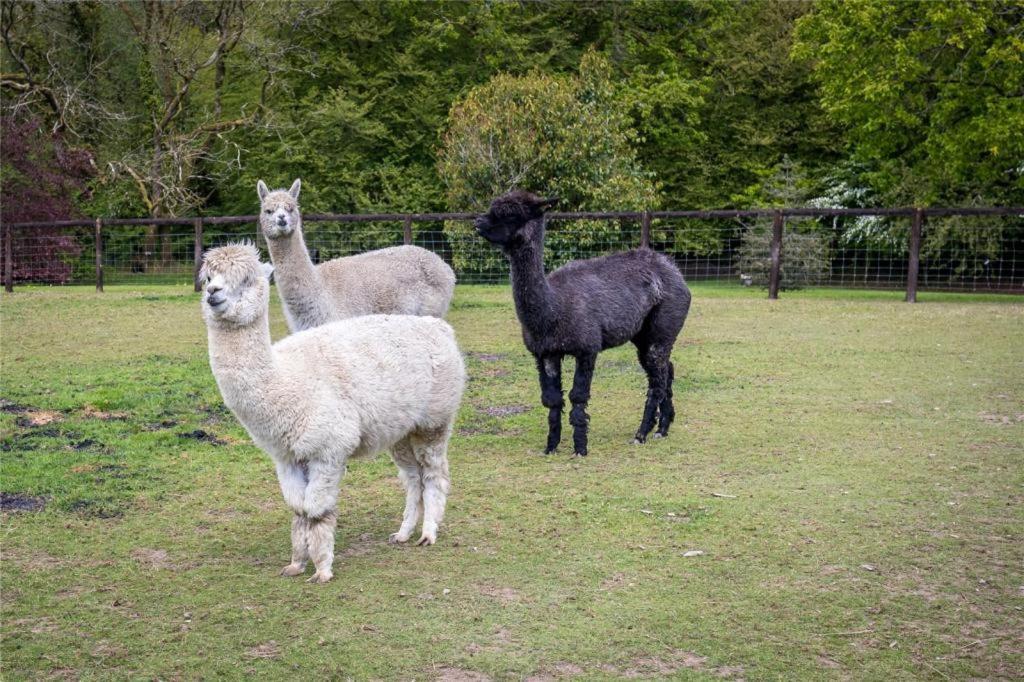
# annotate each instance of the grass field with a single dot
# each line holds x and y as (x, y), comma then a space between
(851, 467)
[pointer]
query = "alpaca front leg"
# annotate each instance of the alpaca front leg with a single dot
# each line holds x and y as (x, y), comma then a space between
(319, 507)
(321, 546)
(549, 368)
(300, 546)
(409, 473)
(293, 478)
(579, 396)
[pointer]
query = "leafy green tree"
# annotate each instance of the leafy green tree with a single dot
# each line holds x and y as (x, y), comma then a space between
(931, 94)
(567, 136)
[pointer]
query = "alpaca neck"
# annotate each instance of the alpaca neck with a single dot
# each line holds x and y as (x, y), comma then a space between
(533, 295)
(298, 281)
(242, 360)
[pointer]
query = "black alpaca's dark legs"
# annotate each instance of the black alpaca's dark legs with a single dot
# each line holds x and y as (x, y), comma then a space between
(666, 411)
(550, 370)
(579, 396)
(655, 362)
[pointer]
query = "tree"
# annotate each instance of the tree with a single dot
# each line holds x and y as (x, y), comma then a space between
(805, 258)
(40, 180)
(931, 94)
(567, 136)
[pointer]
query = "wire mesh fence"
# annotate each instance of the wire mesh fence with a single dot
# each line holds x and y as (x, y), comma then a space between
(958, 251)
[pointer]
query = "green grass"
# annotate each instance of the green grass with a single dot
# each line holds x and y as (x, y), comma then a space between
(817, 435)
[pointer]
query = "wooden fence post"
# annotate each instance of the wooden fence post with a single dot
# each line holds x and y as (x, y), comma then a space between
(8, 259)
(774, 276)
(407, 230)
(99, 254)
(645, 230)
(914, 261)
(197, 253)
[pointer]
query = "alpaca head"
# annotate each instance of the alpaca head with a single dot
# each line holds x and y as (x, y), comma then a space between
(279, 210)
(236, 286)
(514, 218)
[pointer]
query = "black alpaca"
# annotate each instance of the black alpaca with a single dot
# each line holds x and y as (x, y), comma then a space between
(587, 306)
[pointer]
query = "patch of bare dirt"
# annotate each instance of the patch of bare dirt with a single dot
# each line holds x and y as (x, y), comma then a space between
(12, 408)
(366, 544)
(94, 413)
(449, 674)
(615, 582)
(504, 410)
(16, 502)
(826, 662)
(105, 649)
(506, 595)
(34, 625)
(266, 650)
(203, 436)
(650, 666)
(153, 558)
(1001, 419)
(30, 418)
(557, 671)
(501, 639)
(486, 357)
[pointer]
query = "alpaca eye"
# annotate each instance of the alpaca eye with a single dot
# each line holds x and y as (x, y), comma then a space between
(289, 209)
(268, 211)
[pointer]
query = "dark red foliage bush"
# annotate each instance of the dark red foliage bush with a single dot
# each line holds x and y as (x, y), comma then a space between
(42, 179)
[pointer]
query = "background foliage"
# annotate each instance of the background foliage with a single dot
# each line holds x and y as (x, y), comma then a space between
(180, 106)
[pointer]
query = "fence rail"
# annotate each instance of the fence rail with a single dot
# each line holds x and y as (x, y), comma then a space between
(825, 257)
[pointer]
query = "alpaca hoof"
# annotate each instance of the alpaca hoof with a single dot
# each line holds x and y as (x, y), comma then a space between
(579, 454)
(427, 540)
(397, 538)
(657, 435)
(638, 441)
(548, 451)
(319, 577)
(292, 570)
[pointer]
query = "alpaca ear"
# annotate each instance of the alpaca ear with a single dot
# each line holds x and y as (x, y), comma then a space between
(261, 189)
(267, 269)
(545, 204)
(294, 191)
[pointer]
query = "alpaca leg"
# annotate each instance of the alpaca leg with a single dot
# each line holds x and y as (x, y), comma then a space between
(432, 454)
(666, 411)
(293, 478)
(321, 546)
(549, 367)
(579, 396)
(656, 364)
(300, 546)
(321, 501)
(409, 473)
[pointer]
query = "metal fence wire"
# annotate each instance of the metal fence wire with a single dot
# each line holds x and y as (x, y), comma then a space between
(949, 249)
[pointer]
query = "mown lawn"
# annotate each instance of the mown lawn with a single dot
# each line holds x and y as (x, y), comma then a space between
(851, 467)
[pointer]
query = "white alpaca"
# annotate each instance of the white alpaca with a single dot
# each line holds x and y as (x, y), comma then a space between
(401, 280)
(323, 395)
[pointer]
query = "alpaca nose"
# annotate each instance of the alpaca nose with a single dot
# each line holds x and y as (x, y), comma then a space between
(213, 288)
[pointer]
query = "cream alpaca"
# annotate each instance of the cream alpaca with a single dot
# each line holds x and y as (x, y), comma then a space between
(403, 280)
(323, 395)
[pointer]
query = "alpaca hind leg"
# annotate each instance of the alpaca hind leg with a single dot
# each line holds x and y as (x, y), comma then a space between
(666, 411)
(321, 546)
(549, 368)
(655, 362)
(410, 474)
(432, 454)
(579, 396)
(300, 546)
